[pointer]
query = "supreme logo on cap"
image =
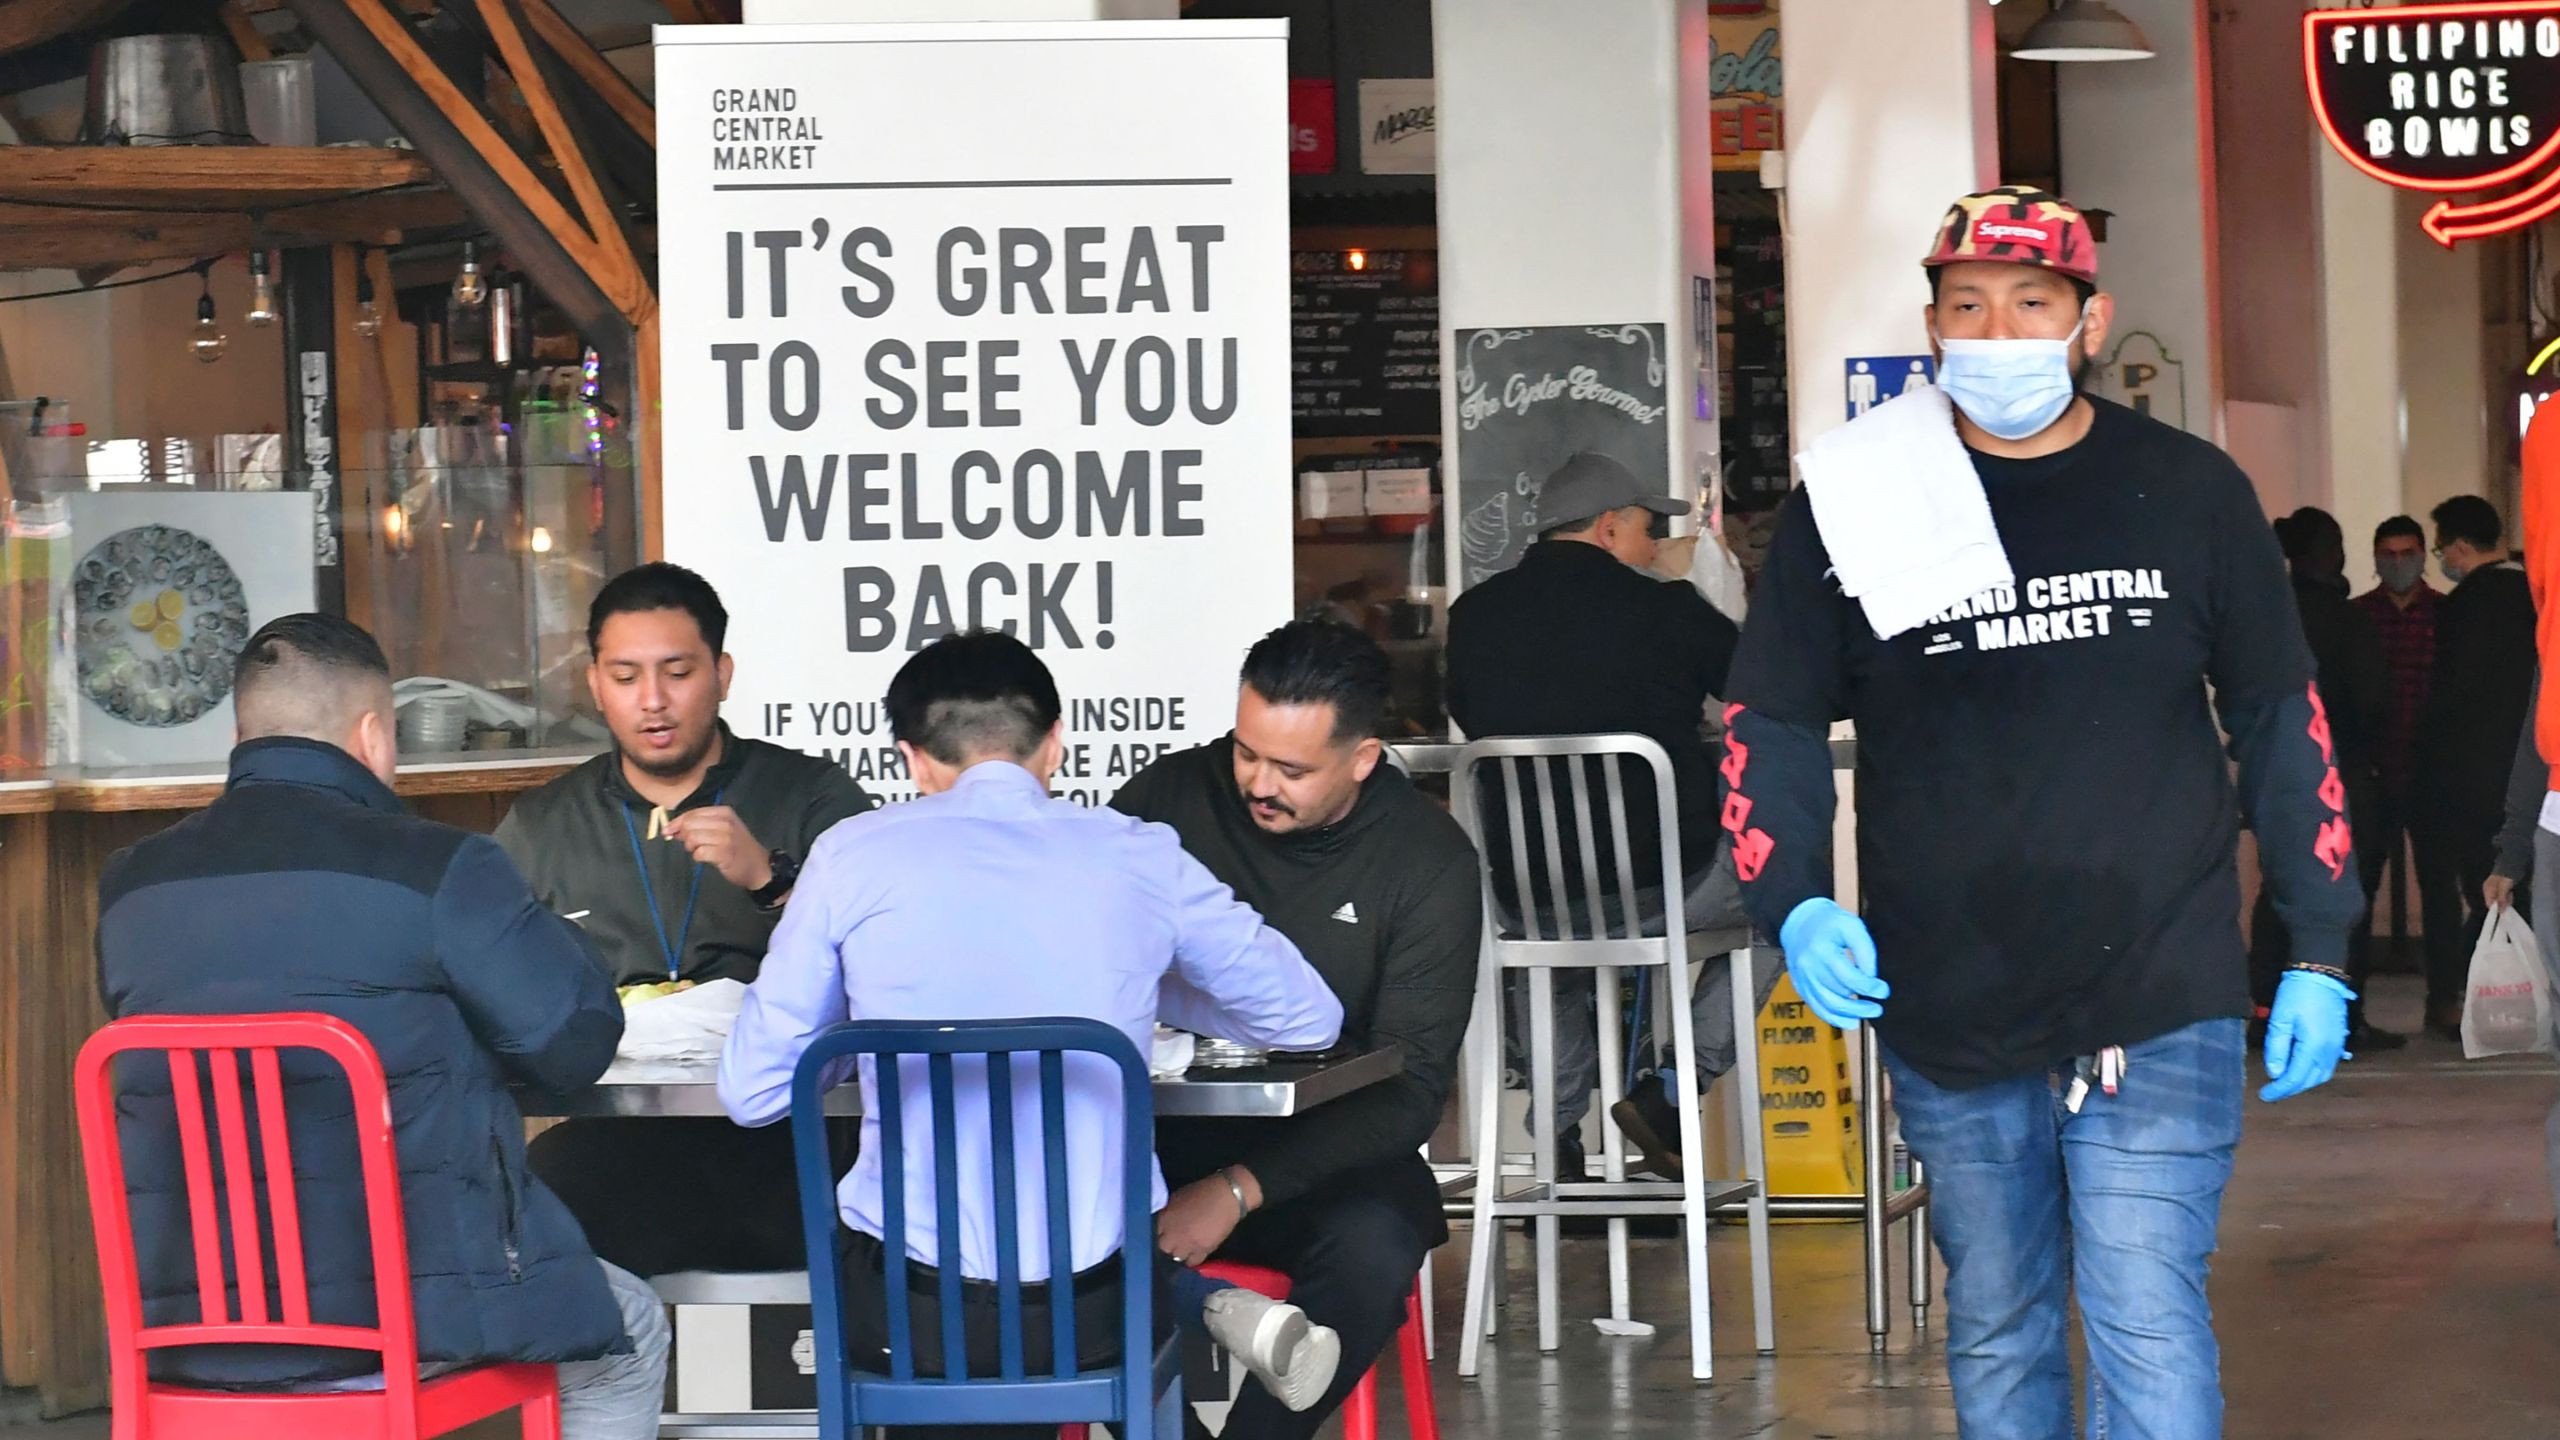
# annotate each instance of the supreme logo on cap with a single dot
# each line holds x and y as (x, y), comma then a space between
(2044, 235)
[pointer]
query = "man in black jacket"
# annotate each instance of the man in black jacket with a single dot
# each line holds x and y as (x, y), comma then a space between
(1378, 888)
(1578, 640)
(2467, 735)
(675, 851)
(306, 887)
(2355, 683)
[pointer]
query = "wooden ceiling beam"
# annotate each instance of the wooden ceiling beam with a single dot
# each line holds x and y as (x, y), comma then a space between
(245, 34)
(604, 226)
(494, 181)
(610, 84)
(32, 22)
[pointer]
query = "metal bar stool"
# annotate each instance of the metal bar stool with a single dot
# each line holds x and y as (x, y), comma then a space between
(1605, 932)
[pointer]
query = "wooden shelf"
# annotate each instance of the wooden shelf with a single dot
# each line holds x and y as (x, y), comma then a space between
(237, 178)
(107, 206)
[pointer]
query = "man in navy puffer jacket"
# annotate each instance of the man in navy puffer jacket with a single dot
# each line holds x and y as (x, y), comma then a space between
(307, 887)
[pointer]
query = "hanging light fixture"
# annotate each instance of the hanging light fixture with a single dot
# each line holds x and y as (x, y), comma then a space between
(368, 321)
(206, 340)
(262, 291)
(2084, 30)
(470, 287)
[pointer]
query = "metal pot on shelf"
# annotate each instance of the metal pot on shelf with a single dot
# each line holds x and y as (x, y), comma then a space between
(164, 90)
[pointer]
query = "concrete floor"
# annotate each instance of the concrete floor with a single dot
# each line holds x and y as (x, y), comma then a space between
(2388, 1270)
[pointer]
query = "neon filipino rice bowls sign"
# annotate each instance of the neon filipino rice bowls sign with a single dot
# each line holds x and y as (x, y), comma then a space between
(2454, 99)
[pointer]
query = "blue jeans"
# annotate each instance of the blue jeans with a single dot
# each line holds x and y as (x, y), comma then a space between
(2119, 1202)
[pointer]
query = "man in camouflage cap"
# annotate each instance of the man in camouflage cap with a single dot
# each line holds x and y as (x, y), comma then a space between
(2050, 945)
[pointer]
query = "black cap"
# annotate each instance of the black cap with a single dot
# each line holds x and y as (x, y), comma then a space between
(1590, 485)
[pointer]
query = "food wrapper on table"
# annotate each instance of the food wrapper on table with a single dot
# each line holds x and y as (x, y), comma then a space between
(1172, 1053)
(677, 1036)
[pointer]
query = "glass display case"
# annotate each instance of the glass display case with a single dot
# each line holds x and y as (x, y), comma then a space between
(133, 572)
(485, 544)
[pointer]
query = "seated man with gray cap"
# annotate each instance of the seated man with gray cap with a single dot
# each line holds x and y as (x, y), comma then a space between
(1578, 639)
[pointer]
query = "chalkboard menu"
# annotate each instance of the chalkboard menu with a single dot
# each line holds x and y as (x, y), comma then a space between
(1528, 399)
(1365, 348)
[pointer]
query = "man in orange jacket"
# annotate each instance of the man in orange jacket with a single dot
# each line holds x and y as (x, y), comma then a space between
(2541, 517)
(2541, 513)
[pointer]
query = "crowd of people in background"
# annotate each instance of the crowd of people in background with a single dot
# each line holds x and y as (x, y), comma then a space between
(2426, 692)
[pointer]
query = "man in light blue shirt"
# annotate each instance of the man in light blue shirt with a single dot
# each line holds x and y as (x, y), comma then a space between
(989, 899)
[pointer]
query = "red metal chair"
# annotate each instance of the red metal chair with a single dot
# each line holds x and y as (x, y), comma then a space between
(1360, 1409)
(406, 1407)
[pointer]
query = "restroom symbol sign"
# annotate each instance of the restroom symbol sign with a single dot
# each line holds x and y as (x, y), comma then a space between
(1874, 379)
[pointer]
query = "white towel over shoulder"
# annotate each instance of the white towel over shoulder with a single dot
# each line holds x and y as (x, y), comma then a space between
(1902, 512)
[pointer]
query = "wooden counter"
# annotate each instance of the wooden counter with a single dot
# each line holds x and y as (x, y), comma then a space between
(56, 834)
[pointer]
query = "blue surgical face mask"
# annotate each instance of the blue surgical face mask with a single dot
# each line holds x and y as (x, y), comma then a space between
(2012, 388)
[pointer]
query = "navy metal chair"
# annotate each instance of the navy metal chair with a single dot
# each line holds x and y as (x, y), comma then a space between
(1141, 1393)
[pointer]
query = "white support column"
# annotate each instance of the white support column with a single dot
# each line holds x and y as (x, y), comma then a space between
(1889, 119)
(1576, 184)
(2137, 140)
(2360, 238)
(2443, 379)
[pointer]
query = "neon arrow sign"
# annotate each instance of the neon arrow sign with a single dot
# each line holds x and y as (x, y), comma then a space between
(2445, 98)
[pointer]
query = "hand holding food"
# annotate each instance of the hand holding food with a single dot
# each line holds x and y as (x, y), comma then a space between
(715, 836)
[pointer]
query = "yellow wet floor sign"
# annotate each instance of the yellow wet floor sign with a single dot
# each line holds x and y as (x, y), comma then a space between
(1808, 1114)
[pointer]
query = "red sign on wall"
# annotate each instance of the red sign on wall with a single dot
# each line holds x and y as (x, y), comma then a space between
(2462, 97)
(1311, 130)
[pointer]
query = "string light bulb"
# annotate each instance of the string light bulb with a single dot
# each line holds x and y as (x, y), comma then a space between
(540, 543)
(206, 340)
(1356, 259)
(470, 287)
(262, 291)
(590, 399)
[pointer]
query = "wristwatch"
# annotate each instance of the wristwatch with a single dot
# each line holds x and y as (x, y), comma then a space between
(786, 873)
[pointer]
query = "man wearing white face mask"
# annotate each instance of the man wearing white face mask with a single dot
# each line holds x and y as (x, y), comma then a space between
(2034, 603)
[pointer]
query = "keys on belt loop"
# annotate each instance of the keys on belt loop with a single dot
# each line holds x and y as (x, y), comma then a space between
(2105, 1070)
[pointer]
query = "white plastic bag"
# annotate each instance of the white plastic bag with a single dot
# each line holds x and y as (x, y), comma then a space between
(1716, 575)
(2506, 1008)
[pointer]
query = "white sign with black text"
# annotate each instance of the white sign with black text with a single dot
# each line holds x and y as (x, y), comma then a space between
(1399, 127)
(959, 332)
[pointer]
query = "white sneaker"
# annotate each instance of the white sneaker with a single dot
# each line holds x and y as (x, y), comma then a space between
(1293, 1358)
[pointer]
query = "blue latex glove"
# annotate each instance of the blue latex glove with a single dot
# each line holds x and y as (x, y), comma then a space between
(1832, 959)
(2306, 1033)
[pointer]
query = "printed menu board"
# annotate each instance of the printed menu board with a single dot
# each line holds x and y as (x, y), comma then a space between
(1365, 342)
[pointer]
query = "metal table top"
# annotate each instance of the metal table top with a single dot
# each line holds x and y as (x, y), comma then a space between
(1284, 1087)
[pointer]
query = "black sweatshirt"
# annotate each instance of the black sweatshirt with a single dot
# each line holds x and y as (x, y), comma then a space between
(2479, 696)
(1572, 642)
(1386, 906)
(2047, 826)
